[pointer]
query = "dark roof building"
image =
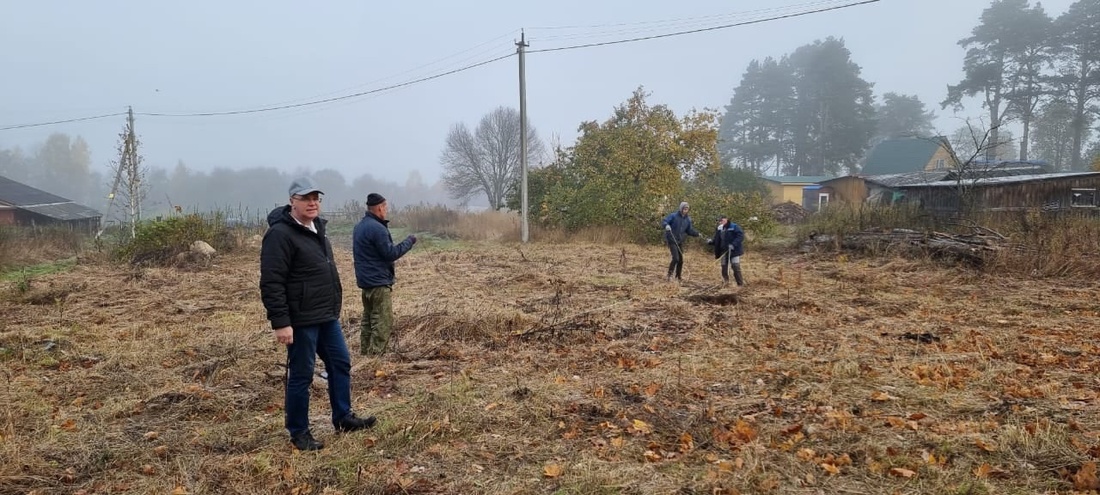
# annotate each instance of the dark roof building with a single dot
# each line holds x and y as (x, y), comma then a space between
(21, 204)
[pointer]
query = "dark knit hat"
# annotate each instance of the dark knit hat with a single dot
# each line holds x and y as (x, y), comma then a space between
(374, 199)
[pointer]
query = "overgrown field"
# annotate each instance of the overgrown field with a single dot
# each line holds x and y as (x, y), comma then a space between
(563, 369)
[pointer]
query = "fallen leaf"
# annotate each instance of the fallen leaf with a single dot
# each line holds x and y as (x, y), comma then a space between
(880, 396)
(148, 469)
(917, 416)
(179, 491)
(830, 468)
(552, 470)
(642, 427)
(652, 389)
(982, 444)
(160, 450)
(902, 472)
(492, 406)
(652, 456)
(687, 443)
(150, 436)
(1085, 478)
(68, 425)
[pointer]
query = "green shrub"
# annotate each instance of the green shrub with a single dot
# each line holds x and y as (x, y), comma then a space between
(159, 241)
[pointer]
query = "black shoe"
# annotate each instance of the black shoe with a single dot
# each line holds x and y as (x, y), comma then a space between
(305, 441)
(351, 422)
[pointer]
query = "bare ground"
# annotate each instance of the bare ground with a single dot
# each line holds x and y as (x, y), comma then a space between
(564, 369)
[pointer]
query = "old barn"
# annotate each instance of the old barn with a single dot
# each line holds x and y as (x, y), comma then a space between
(23, 205)
(1069, 191)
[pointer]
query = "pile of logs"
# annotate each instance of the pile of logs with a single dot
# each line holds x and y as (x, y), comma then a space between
(972, 248)
(789, 213)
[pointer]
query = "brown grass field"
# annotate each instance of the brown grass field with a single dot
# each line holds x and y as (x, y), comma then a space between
(563, 369)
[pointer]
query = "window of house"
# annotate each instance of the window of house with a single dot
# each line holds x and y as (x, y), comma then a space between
(941, 164)
(1083, 198)
(822, 199)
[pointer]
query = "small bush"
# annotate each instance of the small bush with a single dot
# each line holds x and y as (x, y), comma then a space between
(159, 241)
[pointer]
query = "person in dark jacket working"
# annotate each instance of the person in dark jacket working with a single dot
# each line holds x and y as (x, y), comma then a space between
(677, 226)
(301, 291)
(375, 254)
(729, 245)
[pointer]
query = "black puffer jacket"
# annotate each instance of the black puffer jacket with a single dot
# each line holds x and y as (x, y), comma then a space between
(299, 283)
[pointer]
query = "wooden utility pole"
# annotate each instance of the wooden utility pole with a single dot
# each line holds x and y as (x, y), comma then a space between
(132, 173)
(520, 47)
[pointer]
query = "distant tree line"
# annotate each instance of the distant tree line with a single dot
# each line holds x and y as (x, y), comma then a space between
(62, 165)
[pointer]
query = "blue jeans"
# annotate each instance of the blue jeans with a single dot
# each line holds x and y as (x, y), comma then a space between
(327, 341)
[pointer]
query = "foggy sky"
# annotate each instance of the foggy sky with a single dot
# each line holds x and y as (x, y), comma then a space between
(65, 59)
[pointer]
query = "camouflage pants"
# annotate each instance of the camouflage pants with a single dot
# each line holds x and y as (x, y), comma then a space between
(377, 323)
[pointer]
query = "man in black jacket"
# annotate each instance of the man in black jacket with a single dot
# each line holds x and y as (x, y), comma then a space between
(301, 291)
(375, 254)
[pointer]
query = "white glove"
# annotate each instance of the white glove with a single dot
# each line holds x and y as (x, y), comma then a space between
(710, 241)
(668, 228)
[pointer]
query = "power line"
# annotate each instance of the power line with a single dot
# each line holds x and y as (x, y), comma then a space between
(687, 22)
(66, 121)
(700, 30)
(328, 100)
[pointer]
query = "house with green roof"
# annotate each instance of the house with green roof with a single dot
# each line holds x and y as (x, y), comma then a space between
(904, 155)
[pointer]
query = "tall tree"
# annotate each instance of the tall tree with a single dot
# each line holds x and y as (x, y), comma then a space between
(902, 115)
(1078, 69)
(987, 55)
(487, 161)
(755, 131)
(1030, 52)
(834, 117)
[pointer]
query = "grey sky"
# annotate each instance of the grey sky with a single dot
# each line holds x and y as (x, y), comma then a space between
(64, 59)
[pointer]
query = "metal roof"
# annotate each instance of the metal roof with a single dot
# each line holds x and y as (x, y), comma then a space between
(19, 194)
(907, 178)
(27, 198)
(796, 179)
(63, 211)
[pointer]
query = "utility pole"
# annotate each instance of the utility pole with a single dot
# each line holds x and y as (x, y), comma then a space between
(132, 170)
(520, 46)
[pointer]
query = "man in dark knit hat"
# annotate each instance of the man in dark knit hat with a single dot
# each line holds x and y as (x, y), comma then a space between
(375, 254)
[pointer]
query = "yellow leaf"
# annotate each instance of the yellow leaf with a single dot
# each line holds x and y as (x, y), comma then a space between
(806, 454)
(726, 466)
(68, 425)
(617, 442)
(552, 470)
(652, 456)
(928, 457)
(652, 389)
(642, 427)
(982, 444)
(902, 472)
(830, 468)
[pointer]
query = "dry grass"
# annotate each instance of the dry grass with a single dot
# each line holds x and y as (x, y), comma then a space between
(563, 368)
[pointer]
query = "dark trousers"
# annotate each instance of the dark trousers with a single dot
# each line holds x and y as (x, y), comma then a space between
(677, 263)
(327, 341)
